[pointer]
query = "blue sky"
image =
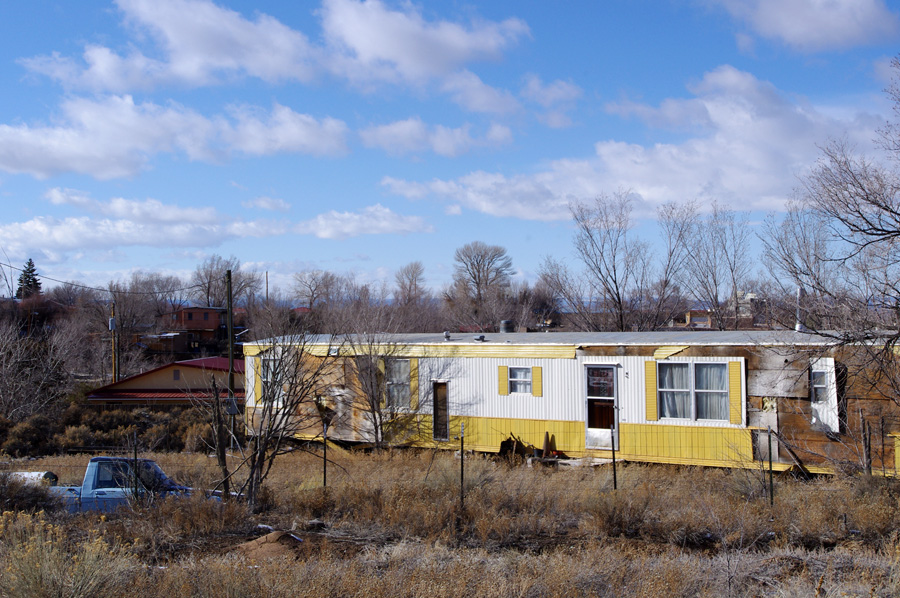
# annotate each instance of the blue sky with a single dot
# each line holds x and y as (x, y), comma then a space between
(359, 136)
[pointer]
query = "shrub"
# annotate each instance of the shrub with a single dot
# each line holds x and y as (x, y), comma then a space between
(74, 437)
(21, 495)
(37, 562)
(31, 437)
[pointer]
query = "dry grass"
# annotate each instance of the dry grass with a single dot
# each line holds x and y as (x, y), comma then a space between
(392, 526)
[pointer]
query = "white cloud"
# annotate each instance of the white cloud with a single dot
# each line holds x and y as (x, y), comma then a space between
(499, 134)
(373, 220)
(364, 42)
(556, 92)
(108, 226)
(377, 43)
(284, 130)
(203, 44)
(817, 25)
(744, 145)
(60, 236)
(400, 137)
(470, 92)
(146, 211)
(272, 204)
(414, 136)
(115, 137)
(408, 189)
(557, 98)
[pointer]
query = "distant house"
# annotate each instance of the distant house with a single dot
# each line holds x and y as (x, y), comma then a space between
(178, 384)
(193, 331)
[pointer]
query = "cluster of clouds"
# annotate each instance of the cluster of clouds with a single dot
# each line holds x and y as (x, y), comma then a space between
(121, 222)
(745, 140)
(749, 144)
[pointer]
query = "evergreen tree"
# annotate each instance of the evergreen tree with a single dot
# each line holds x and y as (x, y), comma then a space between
(29, 283)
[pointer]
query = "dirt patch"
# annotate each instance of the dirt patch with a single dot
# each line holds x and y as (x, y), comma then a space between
(297, 545)
(272, 545)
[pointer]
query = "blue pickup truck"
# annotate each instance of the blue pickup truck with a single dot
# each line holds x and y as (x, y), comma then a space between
(113, 482)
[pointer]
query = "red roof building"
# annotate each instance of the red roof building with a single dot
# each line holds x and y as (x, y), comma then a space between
(182, 383)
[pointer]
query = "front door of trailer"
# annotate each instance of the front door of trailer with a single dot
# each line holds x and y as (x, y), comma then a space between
(441, 414)
(601, 407)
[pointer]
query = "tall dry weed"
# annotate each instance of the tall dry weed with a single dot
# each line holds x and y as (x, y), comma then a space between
(39, 562)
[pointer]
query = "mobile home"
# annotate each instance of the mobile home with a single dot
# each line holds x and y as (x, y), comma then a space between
(687, 397)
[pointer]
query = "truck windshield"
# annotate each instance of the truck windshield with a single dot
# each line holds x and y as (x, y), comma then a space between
(153, 478)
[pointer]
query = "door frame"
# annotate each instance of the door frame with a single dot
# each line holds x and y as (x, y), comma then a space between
(446, 409)
(614, 430)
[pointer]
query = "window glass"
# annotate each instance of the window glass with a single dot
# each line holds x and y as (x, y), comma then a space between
(397, 379)
(819, 386)
(269, 375)
(693, 390)
(674, 386)
(601, 382)
(113, 474)
(711, 388)
(520, 380)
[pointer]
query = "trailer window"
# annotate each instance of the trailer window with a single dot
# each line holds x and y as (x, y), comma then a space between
(693, 390)
(520, 380)
(397, 382)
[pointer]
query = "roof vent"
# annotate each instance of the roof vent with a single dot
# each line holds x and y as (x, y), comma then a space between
(446, 335)
(479, 338)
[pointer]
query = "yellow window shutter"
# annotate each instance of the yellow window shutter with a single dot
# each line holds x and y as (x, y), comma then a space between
(650, 384)
(503, 380)
(414, 384)
(536, 382)
(734, 392)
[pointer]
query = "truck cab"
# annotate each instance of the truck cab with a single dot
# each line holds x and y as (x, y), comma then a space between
(113, 482)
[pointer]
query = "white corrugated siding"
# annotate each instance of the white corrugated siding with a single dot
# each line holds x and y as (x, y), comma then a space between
(251, 365)
(473, 385)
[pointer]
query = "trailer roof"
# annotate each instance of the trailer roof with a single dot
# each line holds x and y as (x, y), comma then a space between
(580, 339)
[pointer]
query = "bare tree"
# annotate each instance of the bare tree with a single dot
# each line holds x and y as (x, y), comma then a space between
(208, 281)
(164, 293)
(479, 296)
(324, 295)
(622, 285)
(294, 379)
(32, 377)
(838, 245)
(410, 284)
(417, 309)
(719, 264)
(610, 255)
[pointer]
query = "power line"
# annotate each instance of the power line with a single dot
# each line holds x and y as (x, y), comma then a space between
(103, 290)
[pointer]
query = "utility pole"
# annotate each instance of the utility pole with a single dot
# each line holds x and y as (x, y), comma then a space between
(229, 320)
(115, 343)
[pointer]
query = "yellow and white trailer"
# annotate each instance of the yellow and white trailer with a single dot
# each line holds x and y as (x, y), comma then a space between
(686, 397)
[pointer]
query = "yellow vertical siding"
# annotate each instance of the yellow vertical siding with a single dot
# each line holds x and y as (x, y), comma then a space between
(486, 433)
(734, 392)
(414, 384)
(650, 384)
(536, 382)
(686, 444)
(503, 380)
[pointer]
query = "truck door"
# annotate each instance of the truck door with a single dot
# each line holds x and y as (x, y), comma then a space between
(112, 487)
